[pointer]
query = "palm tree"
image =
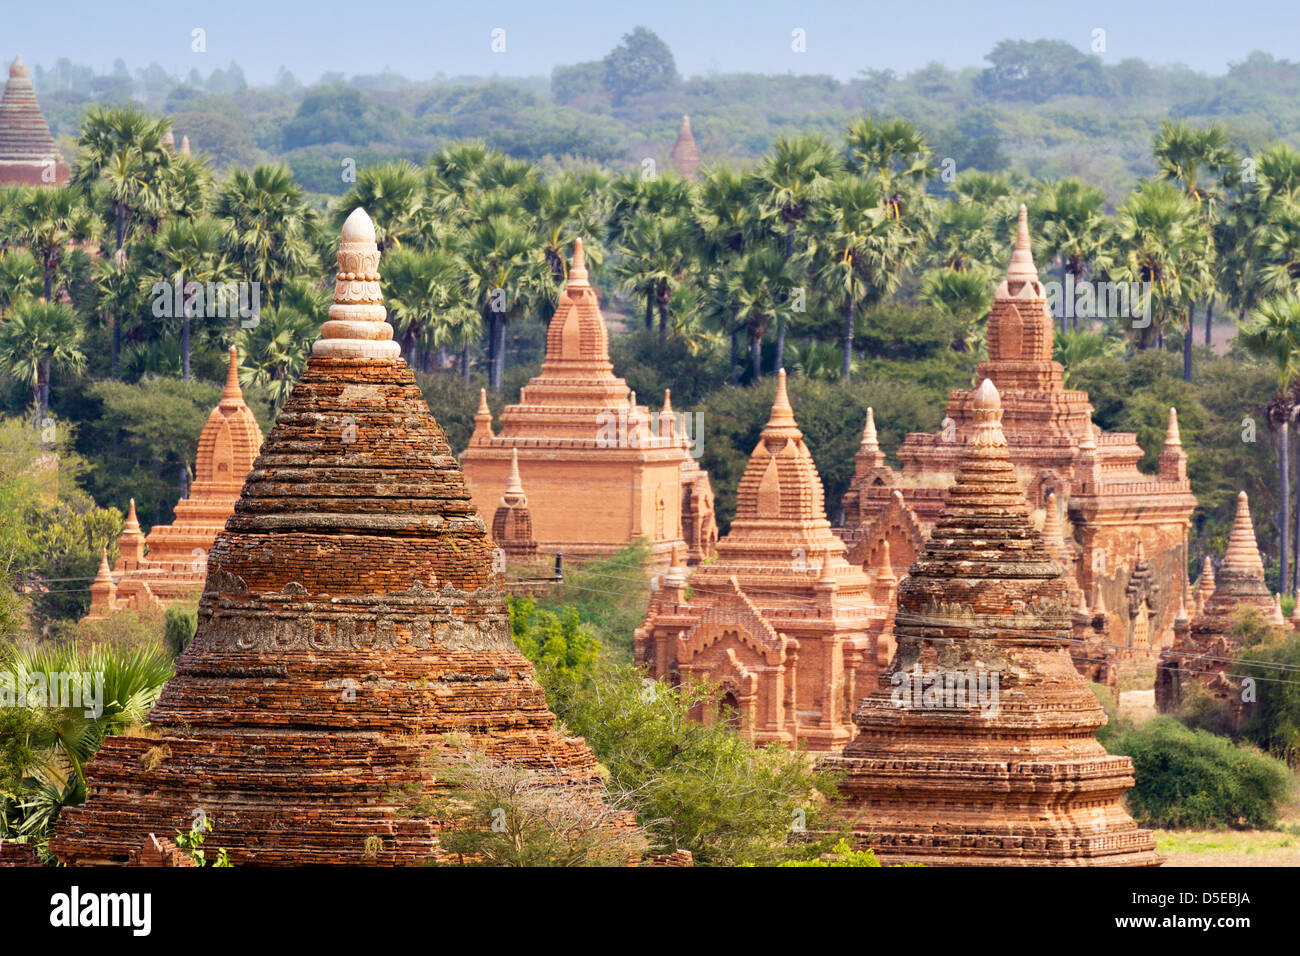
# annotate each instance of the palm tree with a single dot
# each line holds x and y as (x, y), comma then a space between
(1273, 334)
(49, 222)
(858, 250)
(20, 277)
(267, 225)
(192, 251)
(392, 194)
(654, 254)
(273, 353)
(1072, 349)
(504, 272)
(894, 151)
(963, 296)
(760, 285)
(1071, 229)
(38, 338)
(122, 158)
(1189, 157)
(60, 741)
(793, 175)
(1160, 240)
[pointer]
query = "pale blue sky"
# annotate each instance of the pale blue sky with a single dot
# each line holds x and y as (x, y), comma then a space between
(420, 38)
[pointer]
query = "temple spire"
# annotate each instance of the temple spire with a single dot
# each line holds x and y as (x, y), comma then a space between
(357, 326)
(870, 441)
(781, 423)
(1243, 552)
(232, 392)
(578, 270)
(1022, 268)
(514, 484)
(1172, 438)
(482, 419)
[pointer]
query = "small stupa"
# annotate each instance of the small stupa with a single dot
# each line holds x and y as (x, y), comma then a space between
(977, 746)
(1203, 653)
(170, 564)
(512, 528)
(685, 155)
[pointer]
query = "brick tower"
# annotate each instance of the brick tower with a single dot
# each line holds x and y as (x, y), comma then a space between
(28, 156)
(977, 746)
(791, 631)
(351, 616)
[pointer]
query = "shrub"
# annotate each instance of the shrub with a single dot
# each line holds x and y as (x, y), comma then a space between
(1191, 778)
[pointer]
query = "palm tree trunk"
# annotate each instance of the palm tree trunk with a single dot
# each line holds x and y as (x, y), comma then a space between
(185, 345)
(778, 360)
(464, 362)
(755, 355)
(499, 355)
(848, 339)
(45, 386)
(117, 346)
(735, 356)
(649, 311)
(1187, 345)
(1295, 564)
(1283, 461)
(1209, 320)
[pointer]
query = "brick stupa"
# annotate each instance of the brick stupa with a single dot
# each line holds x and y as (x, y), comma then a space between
(1206, 645)
(1126, 529)
(28, 155)
(685, 155)
(351, 616)
(601, 470)
(512, 525)
(788, 630)
(170, 564)
(1011, 774)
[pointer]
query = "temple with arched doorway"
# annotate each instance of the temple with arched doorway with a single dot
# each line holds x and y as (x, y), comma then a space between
(786, 632)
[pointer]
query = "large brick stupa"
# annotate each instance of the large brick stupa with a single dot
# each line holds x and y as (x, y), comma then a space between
(351, 617)
(977, 746)
(28, 155)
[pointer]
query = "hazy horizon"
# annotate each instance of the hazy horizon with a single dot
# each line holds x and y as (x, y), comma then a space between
(421, 41)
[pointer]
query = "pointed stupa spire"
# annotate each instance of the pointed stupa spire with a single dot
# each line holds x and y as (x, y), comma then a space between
(884, 569)
(780, 422)
(357, 326)
(1172, 438)
(1295, 614)
(28, 154)
(578, 269)
(685, 154)
(1243, 552)
(514, 495)
(105, 573)
(132, 522)
(1098, 602)
(185, 146)
(870, 441)
(232, 392)
(482, 419)
(1022, 268)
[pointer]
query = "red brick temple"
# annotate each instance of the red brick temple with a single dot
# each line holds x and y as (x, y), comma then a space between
(170, 564)
(789, 632)
(976, 748)
(1126, 529)
(1206, 644)
(350, 618)
(578, 430)
(28, 155)
(685, 155)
